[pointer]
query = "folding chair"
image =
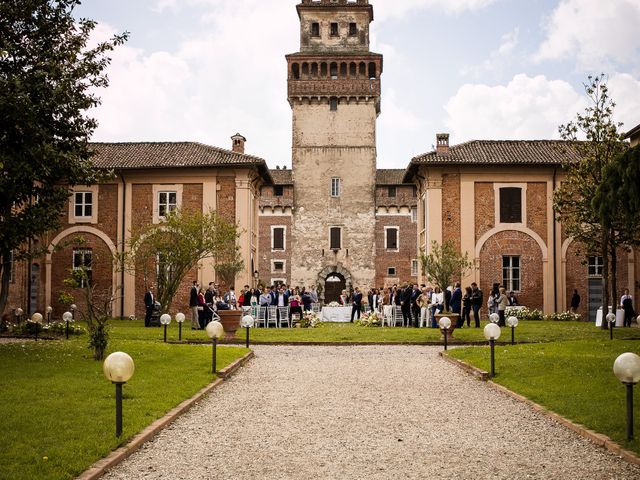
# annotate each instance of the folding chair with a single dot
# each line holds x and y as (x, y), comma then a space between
(272, 316)
(261, 317)
(397, 316)
(283, 313)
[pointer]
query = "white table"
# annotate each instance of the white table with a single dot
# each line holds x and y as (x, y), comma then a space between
(336, 314)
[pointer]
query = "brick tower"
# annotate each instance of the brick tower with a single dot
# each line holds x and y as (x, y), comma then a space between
(334, 93)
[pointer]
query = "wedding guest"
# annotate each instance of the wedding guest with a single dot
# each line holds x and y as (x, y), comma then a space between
(626, 302)
(405, 303)
(513, 301)
(230, 298)
(501, 305)
(295, 305)
(193, 305)
(466, 307)
(415, 307)
(357, 304)
(575, 301)
(202, 305)
(265, 298)
(343, 297)
(456, 303)
(149, 303)
(476, 302)
(423, 301)
(437, 305)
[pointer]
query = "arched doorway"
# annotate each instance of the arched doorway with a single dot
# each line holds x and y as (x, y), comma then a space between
(334, 284)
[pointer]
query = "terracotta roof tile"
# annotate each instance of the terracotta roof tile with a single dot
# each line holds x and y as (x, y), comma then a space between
(389, 176)
(282, 177)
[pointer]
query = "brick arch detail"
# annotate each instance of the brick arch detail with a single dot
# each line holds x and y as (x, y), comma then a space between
(516, 228)
(70, 231)
(322, 276)
(533, 265)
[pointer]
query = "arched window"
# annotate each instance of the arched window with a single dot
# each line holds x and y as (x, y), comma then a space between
(372, 70)
(323, 70)
(295, 71)
(363, 69)
(305, 70)
(343, 70)
(333, 69)
(314, 69)
(353, 70)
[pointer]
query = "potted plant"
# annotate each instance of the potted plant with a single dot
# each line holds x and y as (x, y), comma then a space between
(229, 265)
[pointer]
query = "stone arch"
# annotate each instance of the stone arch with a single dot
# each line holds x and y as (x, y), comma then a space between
(533, 265)
(71, 231)
(339, 269)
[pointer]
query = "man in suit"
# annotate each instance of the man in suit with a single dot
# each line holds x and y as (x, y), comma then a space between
(193, 305)
(208, 299)
(357, 304)
(456, 304)
(149, 302)
(415, 308)
(274, 296)
(405, 303)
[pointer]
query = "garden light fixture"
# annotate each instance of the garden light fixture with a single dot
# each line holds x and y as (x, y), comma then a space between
(492, 333)
(513, 323)
(37, 319)
(67, 317)
(180, 319)
(73, 309)
(611, 319)
(247, 322)
(445, 325)
(215, 330)
(494, 318)
(49, 311)
(165, 320)
(19, 313)
(118, 368)
(627, 369)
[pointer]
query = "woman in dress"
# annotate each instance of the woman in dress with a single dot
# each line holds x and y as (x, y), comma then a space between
(202, 304)
(295, 305)
(466, 307)
(501, 303)
(437, 305)
(423, 303)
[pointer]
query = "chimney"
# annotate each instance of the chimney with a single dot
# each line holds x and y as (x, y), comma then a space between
(442, 143)
(237, 144)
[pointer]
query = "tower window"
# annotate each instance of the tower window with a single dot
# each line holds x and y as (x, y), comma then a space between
(334, 29)
(335, 187)
(333, 104)
(335, 238)
(353, 29)
(392, 191)
(391, 238)
(315, 29)
(278, 190)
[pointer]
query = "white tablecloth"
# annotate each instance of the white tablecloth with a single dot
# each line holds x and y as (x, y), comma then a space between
(336, 314)
(619, 317)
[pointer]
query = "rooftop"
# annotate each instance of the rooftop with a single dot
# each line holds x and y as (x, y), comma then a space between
(389, 176)
(282, 176)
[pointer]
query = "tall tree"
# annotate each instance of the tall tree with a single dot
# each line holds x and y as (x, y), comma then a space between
(598, 140)
(48, 81)
(444, 263)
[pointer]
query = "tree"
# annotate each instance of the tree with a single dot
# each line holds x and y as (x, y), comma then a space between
(573, 200)
(48, 81)
(443, 263)
(167, 251)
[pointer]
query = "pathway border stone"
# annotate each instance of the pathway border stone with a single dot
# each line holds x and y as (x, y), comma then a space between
(98, 469)
(597, 438)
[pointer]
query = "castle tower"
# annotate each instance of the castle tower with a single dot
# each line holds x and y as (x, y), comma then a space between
(334, 93)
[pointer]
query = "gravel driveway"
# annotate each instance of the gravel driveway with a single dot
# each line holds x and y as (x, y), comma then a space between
(365, 412)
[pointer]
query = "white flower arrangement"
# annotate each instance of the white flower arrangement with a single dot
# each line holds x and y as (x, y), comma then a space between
(310, 319)
(370, 319)
(333, 304)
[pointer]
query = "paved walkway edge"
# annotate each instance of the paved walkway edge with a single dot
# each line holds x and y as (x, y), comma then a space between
(595, 437)
(117, 456)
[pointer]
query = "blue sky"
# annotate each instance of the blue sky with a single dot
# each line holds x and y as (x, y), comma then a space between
(479, 69)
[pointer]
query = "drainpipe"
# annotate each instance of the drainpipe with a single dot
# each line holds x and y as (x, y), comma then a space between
(555, 253)
(124, 226)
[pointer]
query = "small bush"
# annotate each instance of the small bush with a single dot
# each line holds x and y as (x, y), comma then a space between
(524, 314)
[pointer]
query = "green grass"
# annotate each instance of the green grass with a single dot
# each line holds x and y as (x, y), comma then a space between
(345, 333)
(56, 402)
(572, 378)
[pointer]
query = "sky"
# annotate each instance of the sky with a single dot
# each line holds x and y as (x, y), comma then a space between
(202, 70)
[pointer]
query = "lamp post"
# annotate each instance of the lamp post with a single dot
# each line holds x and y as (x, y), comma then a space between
(513, 323)
(494, 318)
(67, 317)
(611, 319)
(165, 320)
(445, 325)
(19, 313)
(492, 333)
(215, 330)
(627, 369)
(49, 310)
(37, 319)
(118, 368)
(180, 319)
(73, 309)
(247, 322)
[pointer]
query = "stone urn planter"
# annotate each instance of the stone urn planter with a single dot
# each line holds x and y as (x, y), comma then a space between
(454, 320)
(230, 320)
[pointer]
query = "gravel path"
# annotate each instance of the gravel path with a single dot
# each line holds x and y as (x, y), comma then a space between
(364, 413)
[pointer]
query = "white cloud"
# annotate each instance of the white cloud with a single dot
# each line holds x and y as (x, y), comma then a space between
(625, 92)
(525, 108)
(594, 31)
(497, 58)
(400, 8)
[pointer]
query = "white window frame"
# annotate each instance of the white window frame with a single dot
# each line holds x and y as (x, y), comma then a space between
(341, 237)
(523, 201)
(414, 267)
(157, 190)
(510, 269)
(336, 187)
(284, 238)
(83, 252)
(414, 214)
(273, 266)
(386, 247)
(597, 265)
(93, 218)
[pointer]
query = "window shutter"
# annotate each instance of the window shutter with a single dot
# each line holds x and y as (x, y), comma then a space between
(510, 205)
(335, 238)
(392, 239)
(278, 238)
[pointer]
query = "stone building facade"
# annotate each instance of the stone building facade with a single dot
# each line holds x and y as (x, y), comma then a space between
(494, 200)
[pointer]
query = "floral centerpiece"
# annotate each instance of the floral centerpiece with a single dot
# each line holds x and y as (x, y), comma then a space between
(333, 304)
(370, 319)
(310, 319)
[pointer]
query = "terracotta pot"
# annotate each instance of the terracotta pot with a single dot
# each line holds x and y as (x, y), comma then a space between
(230, 320)
(454, 319)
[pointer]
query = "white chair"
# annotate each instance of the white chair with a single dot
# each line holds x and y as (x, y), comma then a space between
(387, 315)
(316, 307)
(283, 313)
(397, 316)
(272, 316)
(424, 317)
(261, 316)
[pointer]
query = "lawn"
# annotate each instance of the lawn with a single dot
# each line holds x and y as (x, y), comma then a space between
(533, 331)
(572, 378)
(58, 408)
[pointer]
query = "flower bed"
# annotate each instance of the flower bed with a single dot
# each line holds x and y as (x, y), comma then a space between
(370, 319)
(310, 319)
(524, 314)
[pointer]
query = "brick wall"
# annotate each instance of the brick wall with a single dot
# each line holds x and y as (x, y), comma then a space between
(451, 208)
(537, 208)
(513, 243)
(226, 203)
(485, 208)
(401, 260)
(264, 248)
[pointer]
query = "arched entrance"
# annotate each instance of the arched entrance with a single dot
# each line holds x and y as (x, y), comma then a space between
(333, 286)
(331, 281)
